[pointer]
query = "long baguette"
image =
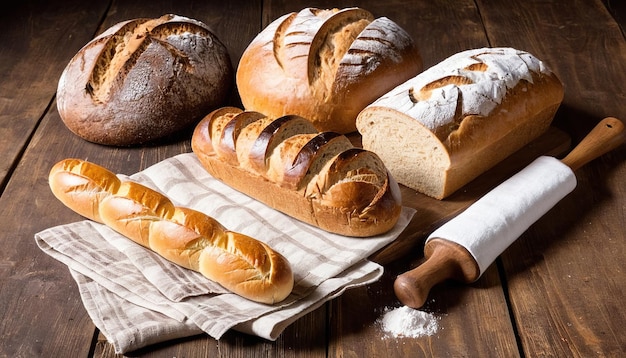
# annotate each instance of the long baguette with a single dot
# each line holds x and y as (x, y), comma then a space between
(187, 237)
(320, 178)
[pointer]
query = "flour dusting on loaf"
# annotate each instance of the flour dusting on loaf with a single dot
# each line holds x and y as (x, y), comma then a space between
(478, 80)
(450, 123)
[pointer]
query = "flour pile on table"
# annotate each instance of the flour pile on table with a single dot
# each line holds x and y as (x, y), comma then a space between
(408, 322)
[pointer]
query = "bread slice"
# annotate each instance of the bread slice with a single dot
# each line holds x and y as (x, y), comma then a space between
(441, 129)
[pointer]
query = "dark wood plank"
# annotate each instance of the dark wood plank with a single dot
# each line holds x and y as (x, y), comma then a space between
(44, 314)
(617, 9)
(44, 306)
(41, 310)
(565, 275)
(472, 320)
(38, 38)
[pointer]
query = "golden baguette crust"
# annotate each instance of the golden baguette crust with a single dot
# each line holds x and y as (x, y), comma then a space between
(441, 129)
(325, 65)
(187, 237)
(318, 178)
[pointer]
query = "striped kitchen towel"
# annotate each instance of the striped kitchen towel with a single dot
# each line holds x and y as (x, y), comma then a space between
(137, 298)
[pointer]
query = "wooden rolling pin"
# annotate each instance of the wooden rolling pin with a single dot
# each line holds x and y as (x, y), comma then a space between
(463, 248)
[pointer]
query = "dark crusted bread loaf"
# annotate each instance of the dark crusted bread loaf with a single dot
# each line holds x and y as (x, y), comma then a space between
(441, 129)
(325, 65)
(317, 177)
(144, 79)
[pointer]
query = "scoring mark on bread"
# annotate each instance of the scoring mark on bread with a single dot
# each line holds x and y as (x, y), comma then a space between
(479, 66)
(118, 49)
(122, 49)
(332, 41)
(425, 92)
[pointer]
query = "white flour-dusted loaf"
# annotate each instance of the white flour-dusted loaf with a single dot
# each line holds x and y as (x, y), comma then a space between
(325, 65)
(441, 129)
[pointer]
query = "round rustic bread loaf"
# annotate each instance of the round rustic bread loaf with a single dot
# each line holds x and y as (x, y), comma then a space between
(144, 79)
(325, 65)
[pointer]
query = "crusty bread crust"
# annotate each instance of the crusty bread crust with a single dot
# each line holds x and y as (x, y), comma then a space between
(144, 79)
(333, 185)
(451, 123)
(325, 65)
(189, 238)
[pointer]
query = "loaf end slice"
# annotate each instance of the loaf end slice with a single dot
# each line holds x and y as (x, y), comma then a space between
(413, 154)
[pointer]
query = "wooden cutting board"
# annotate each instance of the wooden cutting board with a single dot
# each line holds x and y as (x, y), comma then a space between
(432, 213)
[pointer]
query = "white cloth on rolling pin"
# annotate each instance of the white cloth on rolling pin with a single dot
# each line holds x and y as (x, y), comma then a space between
(497, 219)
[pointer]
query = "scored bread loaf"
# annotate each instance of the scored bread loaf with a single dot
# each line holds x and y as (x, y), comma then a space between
(441, 129)
(187, 237)
(320, 178)
(144, 79)
(325, 65)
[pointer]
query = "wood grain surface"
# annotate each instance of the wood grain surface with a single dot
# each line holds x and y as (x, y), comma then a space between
(556, 292)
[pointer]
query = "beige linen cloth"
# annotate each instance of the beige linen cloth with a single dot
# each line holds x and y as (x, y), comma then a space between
(136, 298)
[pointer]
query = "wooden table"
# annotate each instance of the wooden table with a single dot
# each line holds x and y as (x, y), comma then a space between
(558, 291)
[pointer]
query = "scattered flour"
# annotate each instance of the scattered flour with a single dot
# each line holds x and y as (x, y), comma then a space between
(408, 322)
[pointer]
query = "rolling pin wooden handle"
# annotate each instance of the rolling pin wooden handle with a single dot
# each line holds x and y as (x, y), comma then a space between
(444, 260)
(448, 260)
(604, 137)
